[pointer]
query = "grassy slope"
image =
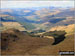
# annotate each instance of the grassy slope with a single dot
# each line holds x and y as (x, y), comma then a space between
(8, 25)
(40, 46)
(29, 45)
(66, 45)
(26, 44)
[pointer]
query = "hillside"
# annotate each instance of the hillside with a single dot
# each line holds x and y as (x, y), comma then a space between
(8, 25)
(69, 29)
(21, 43)
(66, 45)
(15, 42)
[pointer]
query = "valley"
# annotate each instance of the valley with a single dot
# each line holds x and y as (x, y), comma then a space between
(36, 28)
(41, 18)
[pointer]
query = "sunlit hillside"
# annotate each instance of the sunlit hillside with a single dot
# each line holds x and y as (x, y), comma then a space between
(8, 25)
(69, 29)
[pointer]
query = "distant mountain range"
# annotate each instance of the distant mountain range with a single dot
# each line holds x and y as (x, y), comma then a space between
(39, 17)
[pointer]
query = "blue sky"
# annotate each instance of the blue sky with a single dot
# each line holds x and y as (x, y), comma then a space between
(24, 4)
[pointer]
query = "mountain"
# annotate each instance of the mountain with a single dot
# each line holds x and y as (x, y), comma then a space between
(15, 22)
(21, 43)
(10, 23)
(36, 30)
(66, 45)
(69, 29)
(66, 13)
(37, 17)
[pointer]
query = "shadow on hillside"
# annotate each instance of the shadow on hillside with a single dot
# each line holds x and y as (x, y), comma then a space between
(58, 40)
(58, 36)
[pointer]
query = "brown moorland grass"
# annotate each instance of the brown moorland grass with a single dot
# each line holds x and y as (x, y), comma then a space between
(24, 44)
(66, 45)
(27, 45)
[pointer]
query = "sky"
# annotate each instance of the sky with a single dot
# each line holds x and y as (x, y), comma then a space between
(24, 4)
